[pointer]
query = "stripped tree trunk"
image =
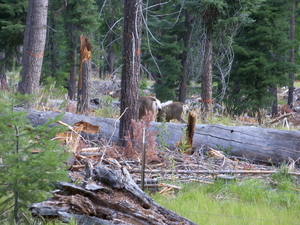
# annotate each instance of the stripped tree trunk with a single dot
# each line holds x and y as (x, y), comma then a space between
(83, 98)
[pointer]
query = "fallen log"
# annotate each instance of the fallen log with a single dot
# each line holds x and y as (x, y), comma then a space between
(110, 196)
(213, 172)
(250, 143)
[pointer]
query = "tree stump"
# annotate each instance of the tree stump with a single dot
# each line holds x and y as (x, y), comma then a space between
(109, 196)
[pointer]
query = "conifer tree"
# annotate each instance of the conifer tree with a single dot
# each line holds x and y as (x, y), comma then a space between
(67, 21)
(261, 59)
(163, 47)
(30, 160)
(219, 22)
(12, 25)
(110, 34)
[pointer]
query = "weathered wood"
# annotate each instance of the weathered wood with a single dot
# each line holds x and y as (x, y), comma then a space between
(109, 197)
(190, 131)
(83, 96)
(252, 143)
(213, 172)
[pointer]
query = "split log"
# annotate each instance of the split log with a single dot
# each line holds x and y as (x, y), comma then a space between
(252, 143)
(109, 197)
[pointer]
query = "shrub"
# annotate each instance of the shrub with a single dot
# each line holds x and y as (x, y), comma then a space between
(30, 159)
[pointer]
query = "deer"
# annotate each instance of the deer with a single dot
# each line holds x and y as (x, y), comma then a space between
(146, 103)
(171, 111)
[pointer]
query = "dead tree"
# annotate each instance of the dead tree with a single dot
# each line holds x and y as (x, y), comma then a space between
(83, 97)
(261, 144)
(108, 196)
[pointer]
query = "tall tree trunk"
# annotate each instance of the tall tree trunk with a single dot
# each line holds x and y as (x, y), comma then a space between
(206, 71)
(3, 78)
(208, 18)
(110, 53)
(273, 90)
(73, 70)
(185, 59)
(83, 99)
(131, 56)
(292, 35)
(52, 47)
(34, 45)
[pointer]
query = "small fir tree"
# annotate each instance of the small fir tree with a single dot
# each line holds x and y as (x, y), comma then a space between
(30, 160)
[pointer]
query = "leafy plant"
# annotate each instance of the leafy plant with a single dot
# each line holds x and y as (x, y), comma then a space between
(162, 133)
(31, 159)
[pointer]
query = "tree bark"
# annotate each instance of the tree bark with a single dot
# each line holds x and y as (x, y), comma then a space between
(251, 143)
(273, 89)
(109, 197)
(83, 99)
(110, 52)
(34, 45)
(131, 56)
(206, 71)
(73, 69)
(3, 78)
(185, 57)
(292, 36)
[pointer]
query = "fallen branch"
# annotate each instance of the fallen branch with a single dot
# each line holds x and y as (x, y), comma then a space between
(277, 119)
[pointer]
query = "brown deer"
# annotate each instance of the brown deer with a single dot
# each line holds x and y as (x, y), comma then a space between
(285, 109)
(170, 112)
(146, 103)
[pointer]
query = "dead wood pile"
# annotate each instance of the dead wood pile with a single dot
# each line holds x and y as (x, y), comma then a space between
(104, 182)
(107, 196)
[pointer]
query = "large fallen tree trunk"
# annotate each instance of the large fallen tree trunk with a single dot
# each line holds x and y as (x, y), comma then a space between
(252, 143)
(108, 197)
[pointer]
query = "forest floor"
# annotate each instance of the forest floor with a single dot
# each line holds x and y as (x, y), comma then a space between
(172, 165)
(170, 168)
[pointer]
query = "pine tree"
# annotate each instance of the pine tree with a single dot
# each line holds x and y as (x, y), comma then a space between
(261, 59)
(12, 25)
(30, 160)
(67, 21)
(162, 54)
(110, 35)
(216, 24)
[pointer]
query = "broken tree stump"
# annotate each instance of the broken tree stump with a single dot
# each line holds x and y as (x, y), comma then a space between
(83, 96)
(110, 196)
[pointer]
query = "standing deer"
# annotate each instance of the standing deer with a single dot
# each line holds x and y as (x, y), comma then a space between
(170, 112)
(146, 103)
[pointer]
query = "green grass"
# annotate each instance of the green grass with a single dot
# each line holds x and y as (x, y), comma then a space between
(296, 84)
(250, 202)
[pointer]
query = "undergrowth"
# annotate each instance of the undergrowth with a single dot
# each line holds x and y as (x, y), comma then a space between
(252, 201)
(134, 144)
